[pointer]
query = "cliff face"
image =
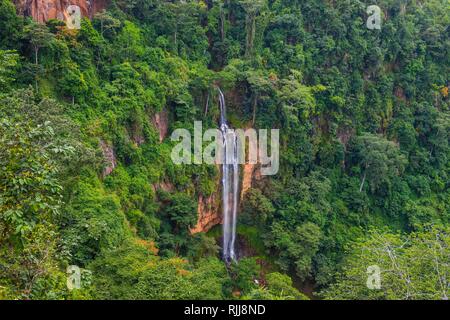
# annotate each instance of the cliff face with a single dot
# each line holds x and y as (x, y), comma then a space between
(110, 158)
(208, 214)
(44, 10)
(161, 123)
(250, 173)
(209, 208)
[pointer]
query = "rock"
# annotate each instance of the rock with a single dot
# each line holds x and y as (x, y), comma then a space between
(250, 173)
(164, 186)
(110, 157)
(44, 10)
(161, 122)
(208, 213)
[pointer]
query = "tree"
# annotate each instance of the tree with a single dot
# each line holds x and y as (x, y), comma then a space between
(180, 214)
(30, 198)
(252, 9)
(72, 81)
(8, 62)
(93, 220)
(281, 287)
(35, 147)
(118, 269)
(413, 267)
(108, 24)
(129, 42)
(298, 101)
(30, 192)
(31, 270)
(260, 84)
(39, 37)
(179, 22)
(202, 246)
(258, 208)
(245, 274)
(296, 248)
(278, 287)
(379, 159)
(10, 25)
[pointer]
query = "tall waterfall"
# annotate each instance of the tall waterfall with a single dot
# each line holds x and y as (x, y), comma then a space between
(230, 183)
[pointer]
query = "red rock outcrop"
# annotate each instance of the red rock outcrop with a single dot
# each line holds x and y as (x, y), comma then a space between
(208, 210)
(44, 10)
(208, 213)
(250, 173)
(161, 121)
(110, 158)
(164, 186)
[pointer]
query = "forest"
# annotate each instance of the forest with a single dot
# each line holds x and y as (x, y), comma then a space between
(87, 181)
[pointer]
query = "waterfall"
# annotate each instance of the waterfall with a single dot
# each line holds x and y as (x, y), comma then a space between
(230, 183)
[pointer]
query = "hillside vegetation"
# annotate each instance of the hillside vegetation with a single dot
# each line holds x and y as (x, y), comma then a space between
(364, 119)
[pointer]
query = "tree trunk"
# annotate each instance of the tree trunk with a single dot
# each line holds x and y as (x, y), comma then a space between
(36, 53)
(255, 105)
(363, 181)
(36, 62)
(175, 36)
(250, 26)
(222, 24)
(207, 105)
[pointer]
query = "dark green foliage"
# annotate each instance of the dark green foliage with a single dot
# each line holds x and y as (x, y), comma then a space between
(412, 267)
(364, 145)
(279, 287)
(180, 214)
(10, 25)
(8, 64)
(133, 272)
(245, 274)
(258, 209)
(93, 220)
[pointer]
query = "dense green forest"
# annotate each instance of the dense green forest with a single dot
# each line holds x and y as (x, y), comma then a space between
(364, 180)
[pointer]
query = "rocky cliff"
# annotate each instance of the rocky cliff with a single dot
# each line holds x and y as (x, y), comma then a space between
(109, 157)
(44, 10)
(161, 122)
(209, 212)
